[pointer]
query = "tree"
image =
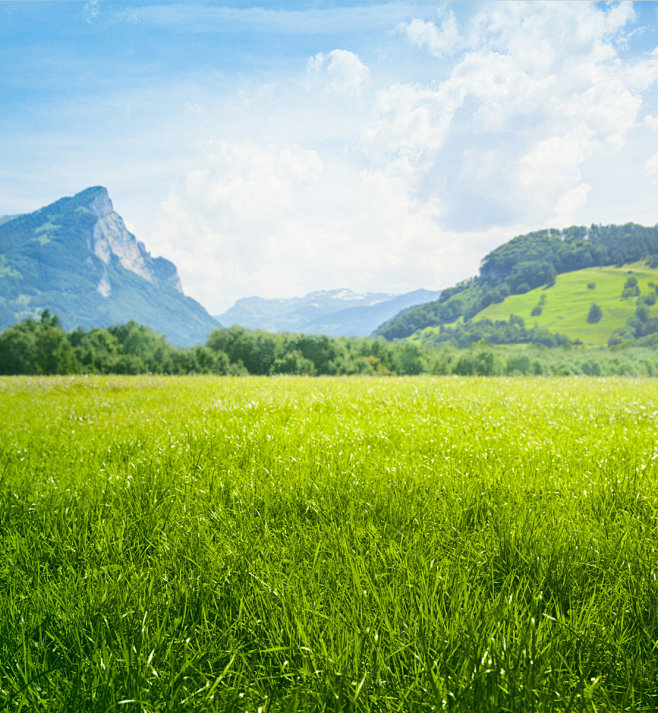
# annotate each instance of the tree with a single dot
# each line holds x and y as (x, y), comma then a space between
(642, 313)
(50, 320)
(18, 351)
(96, 350)
(293, 362)
(595, 314)
(410, 360)
(518, 365)
(631, 288)
(55, 355)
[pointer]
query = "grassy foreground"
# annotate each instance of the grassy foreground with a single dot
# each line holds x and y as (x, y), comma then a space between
(254, 544)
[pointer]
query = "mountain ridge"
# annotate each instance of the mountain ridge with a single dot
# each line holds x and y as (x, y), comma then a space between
(337, 312)
(76, 258)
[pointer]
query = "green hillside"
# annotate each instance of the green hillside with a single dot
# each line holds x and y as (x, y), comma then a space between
(539, 288)
(566, 305)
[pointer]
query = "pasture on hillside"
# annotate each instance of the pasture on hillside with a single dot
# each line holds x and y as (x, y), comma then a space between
(328, 544)
(564, 307)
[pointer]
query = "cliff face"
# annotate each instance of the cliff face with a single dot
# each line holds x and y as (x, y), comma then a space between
(76, 258)
(110, 237)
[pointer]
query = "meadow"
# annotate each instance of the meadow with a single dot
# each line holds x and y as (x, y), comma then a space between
(566, 304)
(328, 544)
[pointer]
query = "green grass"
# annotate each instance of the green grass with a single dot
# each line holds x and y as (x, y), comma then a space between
(413, 544)
(567, 303)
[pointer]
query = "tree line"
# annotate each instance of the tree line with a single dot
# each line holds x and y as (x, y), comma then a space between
(43, 347)
(511, 331)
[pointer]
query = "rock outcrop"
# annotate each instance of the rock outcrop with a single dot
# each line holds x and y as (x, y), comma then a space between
(76, 258)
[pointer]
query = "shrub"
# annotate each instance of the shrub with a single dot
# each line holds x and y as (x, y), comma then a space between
(591, 368)
(642, 313)
(595, 314)
(518, 365)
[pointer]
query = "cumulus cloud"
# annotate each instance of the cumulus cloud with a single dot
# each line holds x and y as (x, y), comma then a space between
(342, 71)
(279, 221)
(438, 40)
(542, 82)
(550, 174)
(651, 122)
(389, 184)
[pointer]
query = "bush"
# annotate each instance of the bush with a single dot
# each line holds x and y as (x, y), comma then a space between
(591, 368)
(518, 365)
(631, 288)
(293, 362)
(465, 366)
(642, 313)
(595, 314)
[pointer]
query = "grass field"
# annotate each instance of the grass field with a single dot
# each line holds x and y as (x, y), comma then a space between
(567, 302)
(414, 544)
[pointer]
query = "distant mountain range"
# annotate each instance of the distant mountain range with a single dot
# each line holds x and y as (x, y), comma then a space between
(331, 312)
(593, 285)
(76, 259)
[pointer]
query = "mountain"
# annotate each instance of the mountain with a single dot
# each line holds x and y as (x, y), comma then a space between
(76, 258)
(332, 312)
(540, 287)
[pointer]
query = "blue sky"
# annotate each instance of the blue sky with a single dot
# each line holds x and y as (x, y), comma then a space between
(281, 147)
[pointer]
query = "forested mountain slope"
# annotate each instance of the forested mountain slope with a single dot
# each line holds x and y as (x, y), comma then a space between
(76, 258)
(533, 261)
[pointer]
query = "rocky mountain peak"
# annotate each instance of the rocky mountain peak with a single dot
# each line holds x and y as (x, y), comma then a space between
(76, 258)
(110, 237)
(99, 201)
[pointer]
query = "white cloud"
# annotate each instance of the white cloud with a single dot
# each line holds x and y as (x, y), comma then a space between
(91, 10)
(651, 122)
(342, 71)
(325, 18)
(411, 124)
(439, 41)
(651, 166)
(550, 173)
(543, 83)
(280, 221)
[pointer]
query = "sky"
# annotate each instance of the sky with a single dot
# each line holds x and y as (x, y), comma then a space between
(275, 148)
